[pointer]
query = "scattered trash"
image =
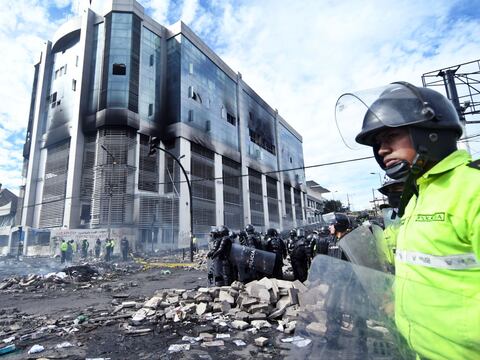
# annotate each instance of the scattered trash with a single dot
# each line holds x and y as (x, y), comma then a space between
(178, 347)
(36, 349)
(9, 340)
(165, 272)
(302, 343)
(7, 349)
(65, 344)
(239, 342)
(80, 319)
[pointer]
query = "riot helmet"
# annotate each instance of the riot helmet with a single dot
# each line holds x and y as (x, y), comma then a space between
(430, 118)
(323, 231)
(293, 233)
(432, 121)
(272, 232)
(340, 222)
(249, 229)
(393, 189)
(222, 230)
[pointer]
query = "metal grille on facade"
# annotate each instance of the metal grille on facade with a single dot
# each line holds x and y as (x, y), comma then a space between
(148, 167)
(272, 197)
(86, 187)
(203, 192)
(116, 175)
(256, 197)
(55, 184)
(232, 194)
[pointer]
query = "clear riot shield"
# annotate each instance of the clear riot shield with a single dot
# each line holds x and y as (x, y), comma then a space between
(251, 258)
(347, 313)
(361, 247)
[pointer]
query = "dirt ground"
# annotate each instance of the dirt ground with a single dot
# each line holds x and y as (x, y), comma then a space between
(110, 341)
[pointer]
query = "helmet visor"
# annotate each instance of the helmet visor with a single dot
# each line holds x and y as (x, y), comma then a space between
(360, 115)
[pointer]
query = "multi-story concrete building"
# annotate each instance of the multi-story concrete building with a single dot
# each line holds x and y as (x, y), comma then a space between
(315, 202)
(112, 78)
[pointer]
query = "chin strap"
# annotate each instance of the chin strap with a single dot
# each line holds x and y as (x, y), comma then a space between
(410, 187)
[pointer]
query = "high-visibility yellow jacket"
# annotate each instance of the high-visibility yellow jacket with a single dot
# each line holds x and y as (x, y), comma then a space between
(390, 238)
(437, 280)
(63, 246)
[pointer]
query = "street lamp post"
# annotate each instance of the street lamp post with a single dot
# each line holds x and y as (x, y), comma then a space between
(154, 144)
(110, 193)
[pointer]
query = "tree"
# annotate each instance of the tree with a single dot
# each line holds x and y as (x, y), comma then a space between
(332, 205)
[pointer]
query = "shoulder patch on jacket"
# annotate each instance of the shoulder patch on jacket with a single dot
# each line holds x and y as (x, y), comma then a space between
(475, 164)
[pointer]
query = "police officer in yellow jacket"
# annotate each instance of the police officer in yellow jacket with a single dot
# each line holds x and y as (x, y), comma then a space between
(413, 132)
(392, 189)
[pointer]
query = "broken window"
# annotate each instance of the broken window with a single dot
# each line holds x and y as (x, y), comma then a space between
(151, 60)
(150, 109)
(231, 119)
(119, 69)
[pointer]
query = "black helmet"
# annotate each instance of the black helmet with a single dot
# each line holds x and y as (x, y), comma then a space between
(249, 229)
(222, 230)
(431, 118)
(340, 222)
(324, 230)
(293, 232)
(272, 232)
(393, 189)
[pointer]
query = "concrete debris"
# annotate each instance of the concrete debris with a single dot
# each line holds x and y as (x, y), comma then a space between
(214, 343)
(239, 342)
(178, 347)
(261, 341)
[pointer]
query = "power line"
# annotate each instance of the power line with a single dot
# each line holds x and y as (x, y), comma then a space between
(216, 178)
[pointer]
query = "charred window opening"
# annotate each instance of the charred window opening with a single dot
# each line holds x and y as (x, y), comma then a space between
(119, 69)
(258, 139)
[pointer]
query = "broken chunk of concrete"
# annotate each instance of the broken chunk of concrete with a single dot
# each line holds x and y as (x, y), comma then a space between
(261, 341)
(201, 308)
(206, 336)
(239, 325)
(260, 324)
(153, 302)
(242, 315)
(214, 343)
(225, 296)
(317, 328)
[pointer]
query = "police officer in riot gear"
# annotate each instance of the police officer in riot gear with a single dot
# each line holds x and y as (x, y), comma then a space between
(321, 246)
(220, 256)
(276, 245)
(413, 132)
(338, 228)
(253, 238)
(299, 257)
(292, 238)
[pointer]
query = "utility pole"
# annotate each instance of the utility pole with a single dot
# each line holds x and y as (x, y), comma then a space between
(154, 145)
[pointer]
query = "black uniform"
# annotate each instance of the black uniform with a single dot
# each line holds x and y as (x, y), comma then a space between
(124, 247)
(276, 245)
(221, 270)
(299, 258)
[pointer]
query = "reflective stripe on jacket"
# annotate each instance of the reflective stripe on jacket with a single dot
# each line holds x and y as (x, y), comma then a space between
(437, 286)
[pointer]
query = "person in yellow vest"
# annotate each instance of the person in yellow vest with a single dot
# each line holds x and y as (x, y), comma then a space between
(413, 132)
(63, 251)
(392, 189)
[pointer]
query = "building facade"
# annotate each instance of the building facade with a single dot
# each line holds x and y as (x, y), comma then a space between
(315, 202)
(111, 79)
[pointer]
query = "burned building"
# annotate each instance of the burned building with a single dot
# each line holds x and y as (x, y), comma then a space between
(111, 79)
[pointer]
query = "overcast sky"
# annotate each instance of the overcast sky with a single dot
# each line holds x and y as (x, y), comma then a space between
(299, 56)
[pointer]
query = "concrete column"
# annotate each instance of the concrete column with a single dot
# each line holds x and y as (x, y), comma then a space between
(292, 202)
(219, 208)
(184, 202)
(33, 172)
(71, 215)
(281, 206)
(265, 202)
(302, 202)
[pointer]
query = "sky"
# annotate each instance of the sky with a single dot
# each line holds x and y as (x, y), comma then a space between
(299, 56)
